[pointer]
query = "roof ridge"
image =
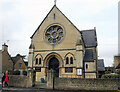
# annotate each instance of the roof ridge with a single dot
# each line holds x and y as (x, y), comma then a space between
(42, 21)
(47, 16)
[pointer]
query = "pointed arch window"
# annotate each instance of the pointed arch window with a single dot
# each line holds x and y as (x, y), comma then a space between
(67, 60)
(86, 66)
(36, 61)
(71, 60)
(39, 61)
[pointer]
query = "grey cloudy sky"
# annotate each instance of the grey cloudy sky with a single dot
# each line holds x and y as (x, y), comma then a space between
(20, 18)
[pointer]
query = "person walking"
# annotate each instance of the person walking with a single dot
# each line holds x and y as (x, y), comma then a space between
(3, 79)
(6, 80)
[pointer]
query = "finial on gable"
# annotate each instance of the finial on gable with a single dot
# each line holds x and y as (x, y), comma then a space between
(54, 2)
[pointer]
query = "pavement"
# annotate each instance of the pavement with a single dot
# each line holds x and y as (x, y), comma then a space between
(14, 89)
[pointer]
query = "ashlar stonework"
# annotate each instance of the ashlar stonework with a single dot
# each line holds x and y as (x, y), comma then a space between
(59, 45)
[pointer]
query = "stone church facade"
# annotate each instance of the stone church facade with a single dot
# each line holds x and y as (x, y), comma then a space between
(57, 44)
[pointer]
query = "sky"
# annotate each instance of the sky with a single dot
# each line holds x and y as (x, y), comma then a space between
(20, 18)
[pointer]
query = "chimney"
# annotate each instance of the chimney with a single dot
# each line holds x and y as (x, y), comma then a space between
(4, 47)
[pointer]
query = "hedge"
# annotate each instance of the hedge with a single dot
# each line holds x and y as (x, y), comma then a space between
(112, 76)
(16, 72)
(25, 73)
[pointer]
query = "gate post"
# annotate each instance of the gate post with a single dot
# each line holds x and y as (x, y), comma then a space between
(30, 78)
(50, 79)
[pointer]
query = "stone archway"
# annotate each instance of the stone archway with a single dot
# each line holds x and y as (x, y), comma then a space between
(53, 61)
(54, 65)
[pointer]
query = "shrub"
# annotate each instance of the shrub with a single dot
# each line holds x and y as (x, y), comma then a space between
(112, 76)
(25, 73)
(16, 72)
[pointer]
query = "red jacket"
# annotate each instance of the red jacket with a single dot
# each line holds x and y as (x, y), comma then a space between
(6, 78)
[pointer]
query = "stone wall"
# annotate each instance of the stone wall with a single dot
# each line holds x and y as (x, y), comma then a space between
(22, 80)
(17, 81)
(86, 84)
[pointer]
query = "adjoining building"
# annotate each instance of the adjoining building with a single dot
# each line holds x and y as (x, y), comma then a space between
(7, 64)
(59, 45)
(19, 63)
(10, 64)
(109, 70)
(117, 64)
(101, 67)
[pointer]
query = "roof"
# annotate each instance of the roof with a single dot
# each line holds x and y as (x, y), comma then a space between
(89, 38)
(15, 59)
(47, 16)
(117, 56)
(88, 57)
(26, 63)
(118, 67)
(100, 65)
(18, 56)
(32, 46)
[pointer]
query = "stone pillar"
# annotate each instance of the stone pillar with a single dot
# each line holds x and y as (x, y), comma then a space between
(79, 54)
(31, 55)
(79, 58)
(30, 78)
(50, 79)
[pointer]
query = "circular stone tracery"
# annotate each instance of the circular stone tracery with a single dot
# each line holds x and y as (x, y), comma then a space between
(54, 34)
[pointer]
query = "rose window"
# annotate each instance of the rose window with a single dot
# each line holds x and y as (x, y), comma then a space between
(54, 34)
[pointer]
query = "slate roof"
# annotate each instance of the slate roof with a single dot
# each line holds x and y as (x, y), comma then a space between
(118, 67)
(18, 56)
(26, 63)
(100, 65)
(89, 38)
(15, 59)
(88, 57)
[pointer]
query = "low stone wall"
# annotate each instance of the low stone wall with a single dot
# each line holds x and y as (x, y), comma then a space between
(22, 80)
(17, 81)
(66, 83)
(86, 84)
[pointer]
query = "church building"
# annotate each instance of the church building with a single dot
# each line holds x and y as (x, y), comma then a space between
(59, 45)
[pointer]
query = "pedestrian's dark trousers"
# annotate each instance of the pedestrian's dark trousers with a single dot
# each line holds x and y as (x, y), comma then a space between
(6, 84)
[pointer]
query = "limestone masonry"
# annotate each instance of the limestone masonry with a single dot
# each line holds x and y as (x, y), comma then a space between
(57, 44)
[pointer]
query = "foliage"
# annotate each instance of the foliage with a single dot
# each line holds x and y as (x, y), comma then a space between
(118, 71)
(25, 73)
(16, 72)
(112, 76)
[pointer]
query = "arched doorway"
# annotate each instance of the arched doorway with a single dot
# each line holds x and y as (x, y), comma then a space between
(54, 64)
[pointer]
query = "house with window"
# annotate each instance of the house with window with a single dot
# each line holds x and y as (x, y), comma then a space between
(109, 70)
(101, 67)
(59, 45)
(6, 60)
(19, 63)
